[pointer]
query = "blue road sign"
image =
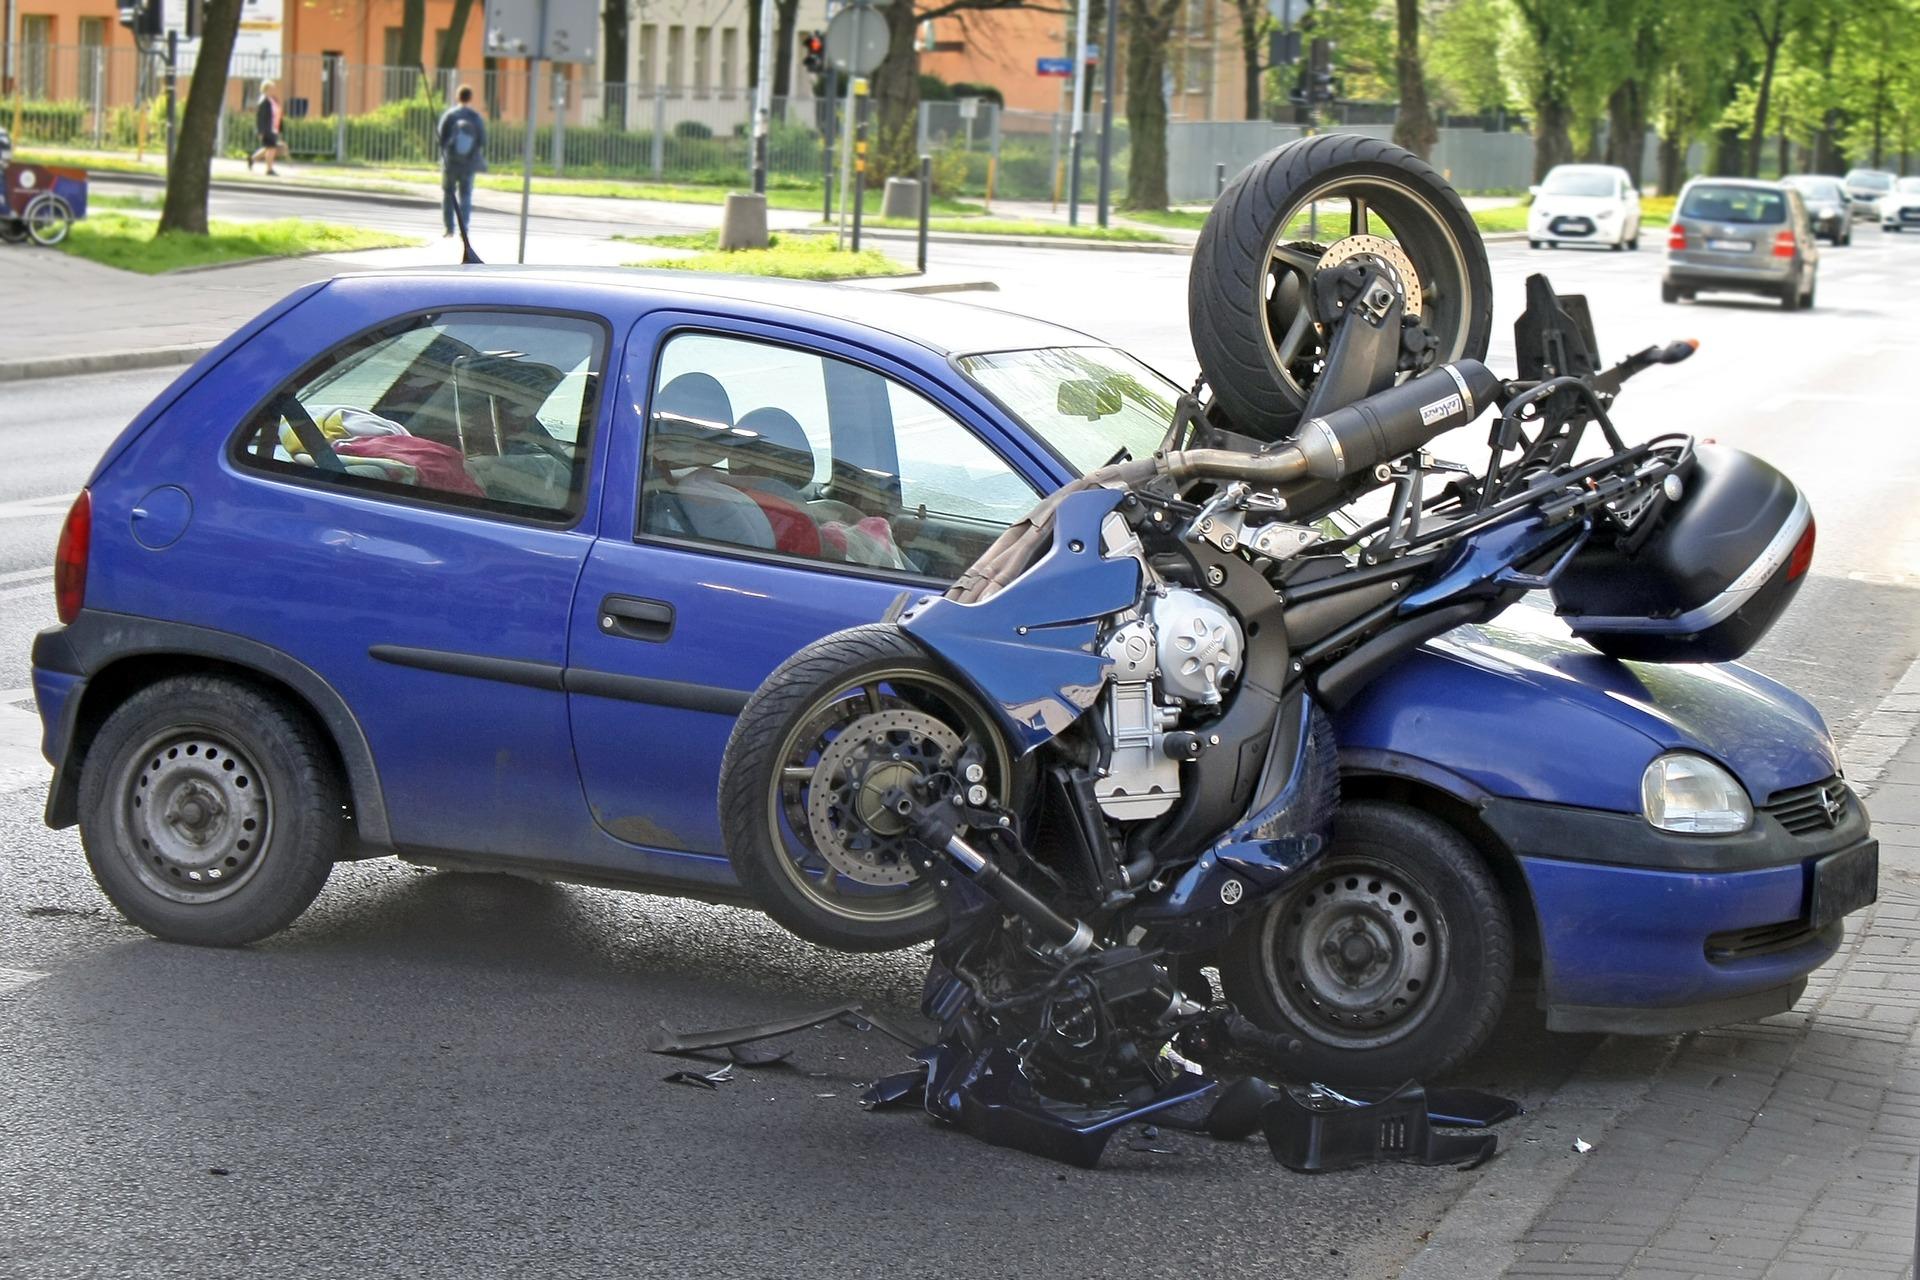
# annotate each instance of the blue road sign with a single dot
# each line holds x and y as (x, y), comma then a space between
(1054, 66)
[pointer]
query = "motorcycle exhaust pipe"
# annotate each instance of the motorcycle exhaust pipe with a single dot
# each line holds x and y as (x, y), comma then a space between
(1070, 938)
(1348, 440)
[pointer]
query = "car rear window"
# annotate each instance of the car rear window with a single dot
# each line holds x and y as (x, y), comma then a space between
(1819, 188)
(482, 409)
(1735, 204)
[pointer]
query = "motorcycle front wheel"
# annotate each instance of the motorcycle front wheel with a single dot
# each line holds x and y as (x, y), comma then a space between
(810, 758)
(1331, 197)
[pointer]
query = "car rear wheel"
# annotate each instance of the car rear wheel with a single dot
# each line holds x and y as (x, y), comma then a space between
(1390, 960)
(1668, 293)
(210, 811)
(1790, 296)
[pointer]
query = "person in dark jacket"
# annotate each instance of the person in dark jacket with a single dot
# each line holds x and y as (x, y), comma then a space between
(266, 126)
(463, 153)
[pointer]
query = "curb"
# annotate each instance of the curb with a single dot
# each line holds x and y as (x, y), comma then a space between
(102, 362)
(1483, 1231)
(388, 198)
(1033, 242)
(962, 286)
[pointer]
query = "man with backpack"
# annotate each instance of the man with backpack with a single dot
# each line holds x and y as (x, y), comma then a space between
(463, 153)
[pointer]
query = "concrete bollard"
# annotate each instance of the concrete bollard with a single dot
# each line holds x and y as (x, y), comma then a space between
(901, 198)
(744, 223)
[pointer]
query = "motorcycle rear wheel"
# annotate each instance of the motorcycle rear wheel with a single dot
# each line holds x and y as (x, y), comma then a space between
(1256, 343)
(873, 680)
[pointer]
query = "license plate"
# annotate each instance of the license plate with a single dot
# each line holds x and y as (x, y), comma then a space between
(1844, 882)
(1731, 246)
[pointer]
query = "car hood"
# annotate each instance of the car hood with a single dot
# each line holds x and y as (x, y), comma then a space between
(1900, 200)
(1577, 206)
(1768, 735)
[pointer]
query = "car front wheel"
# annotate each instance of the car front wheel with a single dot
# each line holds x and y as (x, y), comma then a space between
(210, 811)
(1390, 960)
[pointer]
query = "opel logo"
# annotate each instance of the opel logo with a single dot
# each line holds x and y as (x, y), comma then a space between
(1834, 801)
(1231, 892)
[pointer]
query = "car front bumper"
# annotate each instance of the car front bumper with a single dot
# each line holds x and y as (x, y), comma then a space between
(1671, 932)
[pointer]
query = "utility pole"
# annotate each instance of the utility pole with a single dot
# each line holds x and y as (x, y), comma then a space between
(1110, 62)
(763, 99)
(1079, 115)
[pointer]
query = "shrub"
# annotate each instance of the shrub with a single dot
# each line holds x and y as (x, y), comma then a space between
(692, 131)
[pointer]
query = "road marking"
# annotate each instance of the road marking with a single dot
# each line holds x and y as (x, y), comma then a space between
(22, 575)
(23, 592)
(21, 764)
(14, 979)
(52, 505)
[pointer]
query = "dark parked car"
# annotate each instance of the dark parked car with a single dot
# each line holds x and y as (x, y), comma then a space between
(1828, 208)
(476, 567)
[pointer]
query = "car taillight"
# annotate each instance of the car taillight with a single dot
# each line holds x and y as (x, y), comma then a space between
(1676, 237)
(1802, 553)
(70, 559)
(1783, 244)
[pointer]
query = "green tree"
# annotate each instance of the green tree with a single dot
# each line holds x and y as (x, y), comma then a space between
(456, 35)
(1149, 27)
(185, 210)
(1772, 22)
(1413, 123)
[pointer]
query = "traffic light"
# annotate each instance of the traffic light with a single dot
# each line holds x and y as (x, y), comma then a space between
(1321, 85)
(196, 18)
(144, 17)
(814, 45)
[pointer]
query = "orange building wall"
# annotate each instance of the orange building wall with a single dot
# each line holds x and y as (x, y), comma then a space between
(357, 29)
(1000, 48)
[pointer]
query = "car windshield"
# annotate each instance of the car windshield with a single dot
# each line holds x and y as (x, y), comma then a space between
(1577, 182)
(1907, 186)
(1087, 403)
(1870, 180)
(1817, 188)
(1734, 204)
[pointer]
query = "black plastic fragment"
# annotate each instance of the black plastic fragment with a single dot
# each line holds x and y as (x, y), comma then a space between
(1321, 1132)
(702, 1080)
(907, 1089)
(665, 1039)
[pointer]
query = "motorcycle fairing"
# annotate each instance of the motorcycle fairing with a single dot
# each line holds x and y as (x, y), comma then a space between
(1028, 649)
(1488, 562)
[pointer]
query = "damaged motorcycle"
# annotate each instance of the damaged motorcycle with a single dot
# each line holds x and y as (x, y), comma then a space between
(1107, 747)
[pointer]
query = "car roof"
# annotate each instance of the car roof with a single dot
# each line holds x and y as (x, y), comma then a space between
(1585, 168)
(1810, 177)
(1758, 184)
(937, 324)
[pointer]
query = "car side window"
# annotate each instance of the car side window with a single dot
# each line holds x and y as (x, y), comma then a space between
(756, 445)
(485, 409)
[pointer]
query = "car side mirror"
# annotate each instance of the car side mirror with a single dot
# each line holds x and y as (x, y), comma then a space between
(1085, 398)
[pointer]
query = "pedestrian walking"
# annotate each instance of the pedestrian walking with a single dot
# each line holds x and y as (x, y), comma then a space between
(463, 153)
(266, 126)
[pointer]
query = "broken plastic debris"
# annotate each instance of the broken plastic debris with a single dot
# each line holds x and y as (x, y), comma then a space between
(703, 1080)
(1581, 1146)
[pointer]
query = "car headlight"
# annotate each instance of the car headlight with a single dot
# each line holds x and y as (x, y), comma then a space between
(1692, 794)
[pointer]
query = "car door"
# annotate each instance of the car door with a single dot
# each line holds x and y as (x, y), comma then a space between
(413, 518)
(782, 486)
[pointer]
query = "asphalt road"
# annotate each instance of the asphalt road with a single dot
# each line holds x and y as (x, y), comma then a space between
(437, 1074)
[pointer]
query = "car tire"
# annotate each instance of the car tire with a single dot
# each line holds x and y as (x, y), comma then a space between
(1668, 293)
(1806, 303)
(1847, 238)
(211, 812)
(1230, 311)
(1633, 245)
(756, 796)
(1790, 296)
(1390, 960)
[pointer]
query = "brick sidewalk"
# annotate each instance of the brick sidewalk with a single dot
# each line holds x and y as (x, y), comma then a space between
(1785, 1148)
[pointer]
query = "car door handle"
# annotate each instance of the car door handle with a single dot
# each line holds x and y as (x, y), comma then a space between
(633, 618)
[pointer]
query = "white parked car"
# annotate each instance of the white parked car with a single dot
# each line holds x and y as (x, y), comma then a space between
(1585, 204)
(1900, 207)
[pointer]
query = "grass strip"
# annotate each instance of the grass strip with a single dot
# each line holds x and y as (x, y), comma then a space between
(786, 256)
(131, 243)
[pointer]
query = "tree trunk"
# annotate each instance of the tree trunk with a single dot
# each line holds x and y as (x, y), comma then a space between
(1758, 136)
(786, 16)
(1413, 125)
(1672, 165)
(185, 210)
(1149, 26)
(1552, 142)
(1726, 153)
(1826, 158)
(456, 36)
(1250, 14)
(613, 54)
(1627, 128)
(896, 96)
(413, 32)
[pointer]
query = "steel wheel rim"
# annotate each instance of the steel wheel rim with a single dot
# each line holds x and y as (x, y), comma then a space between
(799, 752)
(1356, 954)
(197, 815)
(1418, 228)
(47, 221)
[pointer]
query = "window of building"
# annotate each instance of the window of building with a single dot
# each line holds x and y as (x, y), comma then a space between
(788, 451)
(479, 409)
(646, 70)
(702, 60)
(93, 38)
(729, 60)
(36, 55)
(676, 57)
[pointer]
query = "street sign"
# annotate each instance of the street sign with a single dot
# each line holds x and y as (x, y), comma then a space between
(1053, 66)
(857, 40)
(558, 30)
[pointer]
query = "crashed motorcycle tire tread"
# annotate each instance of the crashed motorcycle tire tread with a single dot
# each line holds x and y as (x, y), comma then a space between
(1469, 1007)
(750, 760)
(1226, 290)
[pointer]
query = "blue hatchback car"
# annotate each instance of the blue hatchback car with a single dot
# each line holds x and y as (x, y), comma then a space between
(474, 567)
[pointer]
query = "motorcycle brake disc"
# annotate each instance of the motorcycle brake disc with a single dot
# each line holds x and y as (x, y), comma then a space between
(1384, 253)
(851, 827)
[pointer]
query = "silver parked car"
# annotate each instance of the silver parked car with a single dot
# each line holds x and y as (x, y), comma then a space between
(1828, 208)
(1743, 236)
(1864, 188)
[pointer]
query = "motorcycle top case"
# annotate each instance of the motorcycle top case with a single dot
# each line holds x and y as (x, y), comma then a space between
(1718, 568)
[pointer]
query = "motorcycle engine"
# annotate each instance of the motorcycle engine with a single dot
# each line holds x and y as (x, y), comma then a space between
(1181, 655)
